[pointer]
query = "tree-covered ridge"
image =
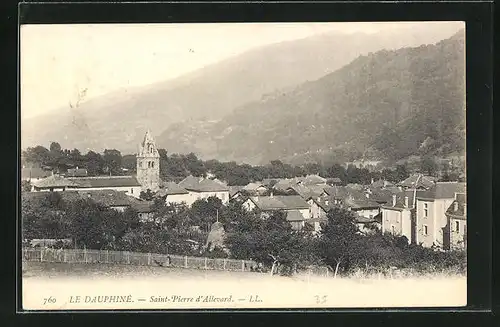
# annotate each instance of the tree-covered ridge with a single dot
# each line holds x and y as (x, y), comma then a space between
(388, 104)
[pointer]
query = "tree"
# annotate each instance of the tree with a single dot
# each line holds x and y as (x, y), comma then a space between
(112, 161)
(147, 196)
(38, 154)
(129, 162)
(94, 163)
(338, 239)
(428, 166)
(204, 212)
(269, 240)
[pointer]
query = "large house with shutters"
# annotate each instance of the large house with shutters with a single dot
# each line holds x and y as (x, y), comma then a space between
(431, 207)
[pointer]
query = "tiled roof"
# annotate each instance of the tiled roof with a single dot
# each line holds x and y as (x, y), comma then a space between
(140, 205)
(105, 181)
(457, 208)
(234, 189)
(424, 181)
(365, 220)
(54, 181)
(443, 190)
(200, 184)
(380, 184)
(380, 195)
(400, 200)
(312, 180)
(360, 203)
(294, 215)
(278, 202)
(37, 196)
(172, 188)
(108, 198)
(253, 186)
(28, 173)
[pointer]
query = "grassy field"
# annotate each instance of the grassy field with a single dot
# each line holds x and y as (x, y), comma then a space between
(53, 286)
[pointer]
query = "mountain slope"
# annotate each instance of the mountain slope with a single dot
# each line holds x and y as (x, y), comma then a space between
(385, 104)
(119, 120)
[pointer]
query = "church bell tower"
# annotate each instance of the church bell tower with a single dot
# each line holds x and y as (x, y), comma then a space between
(148, 164)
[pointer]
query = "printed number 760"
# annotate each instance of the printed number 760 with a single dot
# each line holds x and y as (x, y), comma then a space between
(320, 299)
(50, 299)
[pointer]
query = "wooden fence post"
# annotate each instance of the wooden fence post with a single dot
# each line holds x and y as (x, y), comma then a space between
(149, 259)
(65, 256)
(107, 256)
(85, 254)
(128, 257)
(224, 264)
(185, 261)
(327, 272)
(242, 265)
(41, 254)
(206, 263)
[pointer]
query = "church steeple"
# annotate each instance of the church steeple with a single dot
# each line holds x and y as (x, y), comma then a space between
(148, 164)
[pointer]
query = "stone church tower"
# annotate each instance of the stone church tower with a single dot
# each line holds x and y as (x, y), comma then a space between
(148, 164)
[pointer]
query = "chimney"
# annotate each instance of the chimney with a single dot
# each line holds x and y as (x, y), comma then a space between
(326, 202)
(406, 201)
(394, 200)
(318, 199)
(372, 180)
(455, 206)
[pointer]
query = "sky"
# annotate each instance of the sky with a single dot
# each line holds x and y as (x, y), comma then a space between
(63, 64)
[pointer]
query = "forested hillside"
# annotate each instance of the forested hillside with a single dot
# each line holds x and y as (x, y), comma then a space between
(387, 104)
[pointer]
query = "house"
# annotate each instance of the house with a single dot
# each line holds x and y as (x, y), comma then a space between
(431, 208)
(398, 216)
(307, 191)
(235, 192)
(52, 183)
(116, 200)
(311, 180)
(381, 196)
(362, 206)
(318, 210)
(202, 188)
(34, 174)
(144, 209)
(295, 207)
(380, 184)
(128, 184)
(76, 172)
(174, 194)
(455, 233)
(420, 182)
(368, 225)
(255, 188)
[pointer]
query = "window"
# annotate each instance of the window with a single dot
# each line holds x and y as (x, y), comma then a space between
(425, 230)
(457, 226)
(426, 209)
(131, 191)
(152, 164)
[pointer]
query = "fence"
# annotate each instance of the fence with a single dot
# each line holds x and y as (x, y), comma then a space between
(134, 258)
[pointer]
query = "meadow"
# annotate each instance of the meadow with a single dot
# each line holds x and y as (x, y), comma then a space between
(60, 286)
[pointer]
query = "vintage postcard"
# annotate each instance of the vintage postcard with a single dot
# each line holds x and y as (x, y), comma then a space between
(243, 165)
